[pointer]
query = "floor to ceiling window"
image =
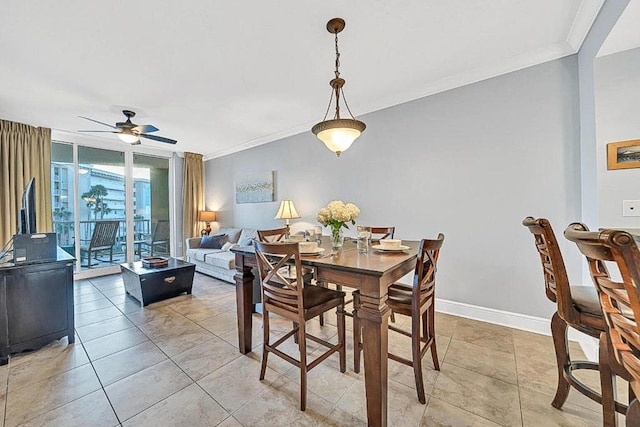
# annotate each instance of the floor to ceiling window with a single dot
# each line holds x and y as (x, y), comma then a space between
(151, 205)
(105, 215)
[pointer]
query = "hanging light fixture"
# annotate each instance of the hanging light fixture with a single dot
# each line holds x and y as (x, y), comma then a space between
(338, 134)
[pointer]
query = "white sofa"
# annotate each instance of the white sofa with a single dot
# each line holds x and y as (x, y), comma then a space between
(219, 263)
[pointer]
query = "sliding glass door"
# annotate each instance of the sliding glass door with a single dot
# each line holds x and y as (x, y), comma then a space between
(109, 206)
(151, 205)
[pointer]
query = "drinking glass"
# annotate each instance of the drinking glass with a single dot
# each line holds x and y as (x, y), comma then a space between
(317, 232)
(363, 239)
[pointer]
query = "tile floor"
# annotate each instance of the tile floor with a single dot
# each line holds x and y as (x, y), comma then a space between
(176, 363)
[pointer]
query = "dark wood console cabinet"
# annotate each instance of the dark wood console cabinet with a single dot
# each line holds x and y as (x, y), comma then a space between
(36, 305)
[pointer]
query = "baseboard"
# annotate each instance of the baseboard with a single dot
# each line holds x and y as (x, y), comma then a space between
(523, 322)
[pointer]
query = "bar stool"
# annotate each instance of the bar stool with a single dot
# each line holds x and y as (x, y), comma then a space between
(578, 307)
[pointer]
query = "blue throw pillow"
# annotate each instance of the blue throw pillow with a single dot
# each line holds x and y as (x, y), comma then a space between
(213, 242)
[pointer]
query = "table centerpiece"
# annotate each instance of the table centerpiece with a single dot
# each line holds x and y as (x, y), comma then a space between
(336, 215)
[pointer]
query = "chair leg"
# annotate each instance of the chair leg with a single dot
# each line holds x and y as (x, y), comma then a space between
(265, 343)
(357, 331)
(633, 414)
(559, 333)
(417, 360)
(430, 331)
(341, 339)
(607, 384)
(302, 345)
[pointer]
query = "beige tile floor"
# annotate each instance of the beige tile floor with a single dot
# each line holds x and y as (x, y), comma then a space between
(176, 363)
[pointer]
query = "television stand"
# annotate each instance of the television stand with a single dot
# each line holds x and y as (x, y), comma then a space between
(36, 304)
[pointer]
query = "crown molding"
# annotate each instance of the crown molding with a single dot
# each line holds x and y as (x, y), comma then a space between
(586, 15)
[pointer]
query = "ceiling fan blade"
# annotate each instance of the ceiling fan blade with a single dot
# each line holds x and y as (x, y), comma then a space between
(96, 121)
(107, 131)
(158, 138)
(145, 129)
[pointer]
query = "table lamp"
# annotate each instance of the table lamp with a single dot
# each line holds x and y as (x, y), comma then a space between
(287, 211)
(208, 217)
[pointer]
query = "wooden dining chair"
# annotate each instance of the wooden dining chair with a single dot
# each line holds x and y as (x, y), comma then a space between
(416, 301)
(578, 307)
(292, 299)
(620, 302)
(378, 233)
(273, 235)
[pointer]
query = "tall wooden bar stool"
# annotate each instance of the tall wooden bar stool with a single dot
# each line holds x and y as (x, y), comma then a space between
(290, 298)
(418, 302)
(578, 307)
(620, 301)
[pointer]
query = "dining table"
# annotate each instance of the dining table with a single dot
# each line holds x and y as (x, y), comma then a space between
(371, 273)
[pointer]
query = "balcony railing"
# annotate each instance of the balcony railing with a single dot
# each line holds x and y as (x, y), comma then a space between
(65, 230)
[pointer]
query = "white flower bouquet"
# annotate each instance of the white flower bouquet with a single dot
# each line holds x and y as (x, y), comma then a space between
(336, 215)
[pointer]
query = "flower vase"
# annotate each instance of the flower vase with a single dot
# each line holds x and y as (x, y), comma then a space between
(337, 239)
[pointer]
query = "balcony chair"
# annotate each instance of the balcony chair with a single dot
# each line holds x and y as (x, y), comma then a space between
(578, 307)
(159, 238)
(102, 239)
(290, 298)
(416, 301)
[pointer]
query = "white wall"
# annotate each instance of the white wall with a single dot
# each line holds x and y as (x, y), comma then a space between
(471, 163)
(617, 80)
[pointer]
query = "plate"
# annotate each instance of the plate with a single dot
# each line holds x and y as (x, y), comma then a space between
(316, 251)
(398, 249)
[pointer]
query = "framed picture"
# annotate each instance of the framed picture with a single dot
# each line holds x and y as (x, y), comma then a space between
(623, 155)
(255, 188)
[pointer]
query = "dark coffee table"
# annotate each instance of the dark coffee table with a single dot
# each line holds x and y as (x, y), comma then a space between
(151, 284)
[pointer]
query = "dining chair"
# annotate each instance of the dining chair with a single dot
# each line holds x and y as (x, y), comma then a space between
(290, 298)
(273, 235)
(620, 302)
(578, 307)
(102, 239)
(416, 301)
(378, 233)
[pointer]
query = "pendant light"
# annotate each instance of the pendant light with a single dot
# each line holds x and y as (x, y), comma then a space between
(338, 134)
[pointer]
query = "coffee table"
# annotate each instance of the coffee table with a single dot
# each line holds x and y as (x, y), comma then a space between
(151, 284)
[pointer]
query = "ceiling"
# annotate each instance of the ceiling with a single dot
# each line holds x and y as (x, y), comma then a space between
(222, 76)
(624, 35)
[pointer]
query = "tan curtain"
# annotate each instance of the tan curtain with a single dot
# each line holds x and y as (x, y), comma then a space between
(193, 193)
(25, 152)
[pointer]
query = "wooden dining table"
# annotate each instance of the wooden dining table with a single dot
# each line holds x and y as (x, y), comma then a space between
(371, 273)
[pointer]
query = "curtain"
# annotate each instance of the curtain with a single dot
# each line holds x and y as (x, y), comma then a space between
(25, 152)
(193, 193)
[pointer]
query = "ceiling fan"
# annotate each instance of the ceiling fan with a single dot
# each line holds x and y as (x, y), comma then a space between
(130, 132)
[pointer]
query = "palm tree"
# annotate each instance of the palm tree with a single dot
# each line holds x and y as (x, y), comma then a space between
(94, 198)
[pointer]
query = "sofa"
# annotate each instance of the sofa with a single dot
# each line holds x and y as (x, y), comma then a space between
(219, 263)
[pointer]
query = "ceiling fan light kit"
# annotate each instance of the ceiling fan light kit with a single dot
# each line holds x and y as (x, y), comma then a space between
(130, 132)
(338, 134)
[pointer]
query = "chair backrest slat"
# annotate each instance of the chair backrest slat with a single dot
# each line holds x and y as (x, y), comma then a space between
(378, 233)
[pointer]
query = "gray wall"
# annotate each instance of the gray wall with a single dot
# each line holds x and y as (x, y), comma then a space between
(471, 163)
(617, 80)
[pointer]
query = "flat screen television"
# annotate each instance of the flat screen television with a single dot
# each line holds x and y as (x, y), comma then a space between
(28, 211)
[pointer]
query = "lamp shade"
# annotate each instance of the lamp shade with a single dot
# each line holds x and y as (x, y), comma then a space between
(128, 136)
(206, 216)
(287, 210)
(338, 134)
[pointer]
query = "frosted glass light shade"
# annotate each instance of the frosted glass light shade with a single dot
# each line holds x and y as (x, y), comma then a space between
(338, 134)
(128, 137)
(287, 210)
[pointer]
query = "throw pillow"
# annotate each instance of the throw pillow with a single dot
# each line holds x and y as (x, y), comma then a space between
(213, 242)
